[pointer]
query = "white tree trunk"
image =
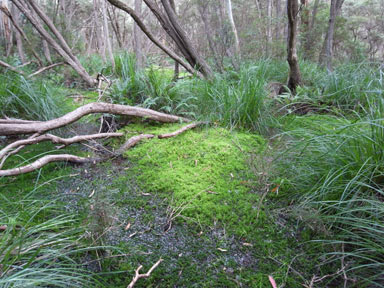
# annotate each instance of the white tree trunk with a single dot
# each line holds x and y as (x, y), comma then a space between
(228, 7)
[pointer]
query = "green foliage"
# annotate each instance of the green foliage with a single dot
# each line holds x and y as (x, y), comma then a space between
(201, 173)
(337, 167)
(349, 87)
(23, 98)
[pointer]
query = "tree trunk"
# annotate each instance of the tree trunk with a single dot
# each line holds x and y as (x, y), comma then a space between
(121, 5)
(7, 28)
(228, 7)
(62, 48)
(294, 71)
(309, 37)
(47, 52)
(19, 41)
(106, 33)
(99, 30)
(326, 54)
(176, 71)
(18, 28)
(269, 28)
(138, 37)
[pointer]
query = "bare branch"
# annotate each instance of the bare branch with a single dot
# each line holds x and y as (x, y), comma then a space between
(6, 65)
(45, 69)
(146, 275)
(122, 6)
(91, 108)
(44, 161)
(185, 128)
(132, 142)
(56, 140)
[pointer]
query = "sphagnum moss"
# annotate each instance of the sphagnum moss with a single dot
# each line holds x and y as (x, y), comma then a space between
(204, 173)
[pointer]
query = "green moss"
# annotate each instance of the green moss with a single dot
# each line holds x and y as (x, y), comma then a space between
(203, 171)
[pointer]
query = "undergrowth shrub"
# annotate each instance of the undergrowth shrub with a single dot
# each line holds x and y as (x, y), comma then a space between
(22, 98)
(336, 166)
(348, 87)
(39, 246)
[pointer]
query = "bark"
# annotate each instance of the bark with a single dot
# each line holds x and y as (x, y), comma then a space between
(63, 48)
(121, 5)
(294, 71)
(42, 127)
(137, 35)
(326, 54)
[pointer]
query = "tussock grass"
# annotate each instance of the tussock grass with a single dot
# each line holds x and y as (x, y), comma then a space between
(23, 98)
(338, 170)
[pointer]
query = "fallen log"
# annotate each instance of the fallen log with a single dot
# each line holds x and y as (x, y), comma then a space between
(91, 108)
(72, 158)
(46, 160)
(56, 140)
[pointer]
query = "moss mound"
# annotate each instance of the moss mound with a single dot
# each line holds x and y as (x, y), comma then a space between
(202, 173)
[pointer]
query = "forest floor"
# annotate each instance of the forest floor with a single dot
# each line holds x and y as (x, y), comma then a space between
(198, 201)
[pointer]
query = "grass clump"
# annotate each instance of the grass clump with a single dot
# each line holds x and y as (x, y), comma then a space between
(202, 173)
(23, 98)
(338, 172)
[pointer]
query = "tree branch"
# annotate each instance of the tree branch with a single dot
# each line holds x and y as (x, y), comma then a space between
(56, 140)
(146, 275)
(178, 132)
(45, 69)
(91, 108)
(44, 161)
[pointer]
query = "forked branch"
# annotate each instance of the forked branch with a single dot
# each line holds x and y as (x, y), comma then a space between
(146, 275)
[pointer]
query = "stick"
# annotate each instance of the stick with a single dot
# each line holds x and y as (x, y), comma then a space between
(45, 69)
(132, 142)
(185, 128)
(146, 275)
(44, 161)
(6, 65)
(56, 140)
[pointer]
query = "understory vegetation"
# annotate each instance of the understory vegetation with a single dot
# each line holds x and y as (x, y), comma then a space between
(284, 185)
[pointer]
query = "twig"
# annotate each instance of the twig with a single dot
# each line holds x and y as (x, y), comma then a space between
(45, 69)
(185, 128)
(146, 275)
